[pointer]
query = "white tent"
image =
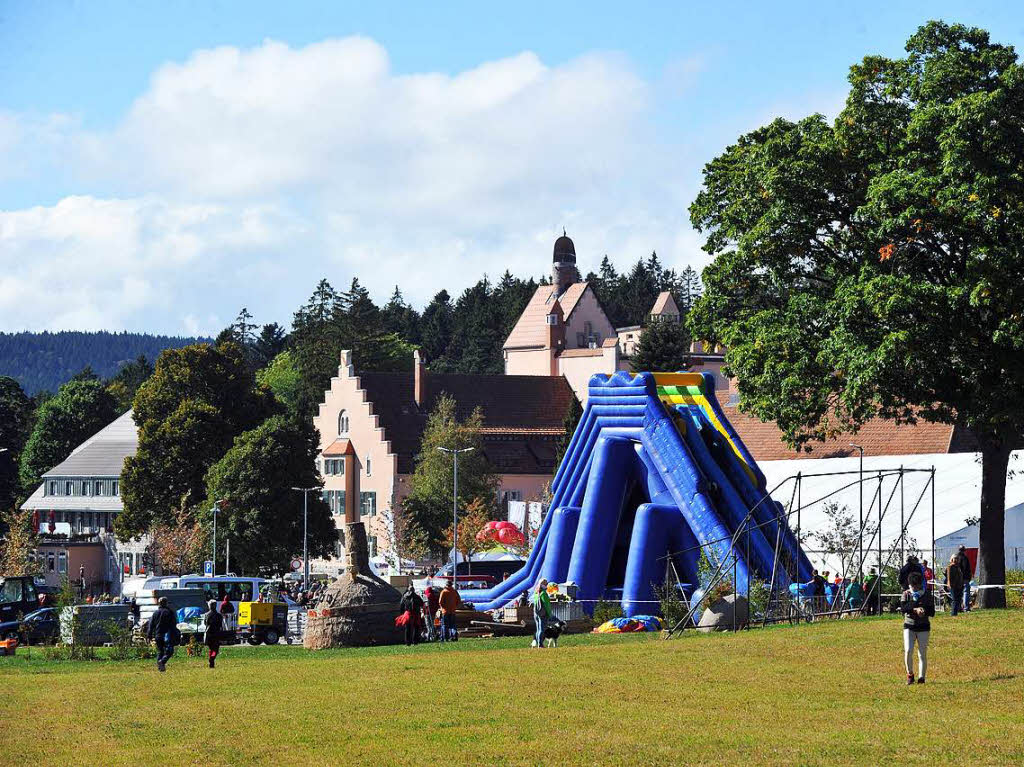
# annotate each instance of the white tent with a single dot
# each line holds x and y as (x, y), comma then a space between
(1013, 531)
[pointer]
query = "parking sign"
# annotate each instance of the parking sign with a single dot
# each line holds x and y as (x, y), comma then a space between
(208, 567)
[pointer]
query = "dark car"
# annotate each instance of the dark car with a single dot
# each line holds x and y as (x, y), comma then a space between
(39, 626)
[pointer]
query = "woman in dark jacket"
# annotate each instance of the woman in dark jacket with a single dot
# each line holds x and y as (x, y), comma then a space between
(214, 630)
(411, 604)
(917, 607)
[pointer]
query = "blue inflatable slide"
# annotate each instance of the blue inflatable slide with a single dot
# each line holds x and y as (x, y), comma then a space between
(653, 471)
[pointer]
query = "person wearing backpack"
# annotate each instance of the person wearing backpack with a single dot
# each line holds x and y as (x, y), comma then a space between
(163, 627)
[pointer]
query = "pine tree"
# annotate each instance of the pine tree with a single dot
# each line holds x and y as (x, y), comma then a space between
(436, 326)
(664, 347)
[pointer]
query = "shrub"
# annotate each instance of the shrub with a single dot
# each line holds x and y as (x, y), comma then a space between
(673, 608)
(1014, 597)
(605, 611)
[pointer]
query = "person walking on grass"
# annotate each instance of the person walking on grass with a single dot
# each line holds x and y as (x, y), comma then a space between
(917, 607)
(214, 631)
(966, 571)
(162, 628)
(955, 583)
(541, 611)
(449, 602)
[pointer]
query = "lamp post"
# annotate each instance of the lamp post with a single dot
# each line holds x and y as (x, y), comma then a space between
(860, 545)
(216, 508)
(455, 505)
(305, 532)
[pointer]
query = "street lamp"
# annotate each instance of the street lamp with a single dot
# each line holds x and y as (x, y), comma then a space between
(860, 546)
(305, 532)
(216, 508)
(455, 506)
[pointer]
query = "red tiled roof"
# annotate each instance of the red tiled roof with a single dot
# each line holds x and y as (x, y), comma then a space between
(878, 437)
(531, 329)
(339, 447)
(522, 414)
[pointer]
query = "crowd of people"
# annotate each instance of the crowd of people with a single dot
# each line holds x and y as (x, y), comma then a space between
(431, 617)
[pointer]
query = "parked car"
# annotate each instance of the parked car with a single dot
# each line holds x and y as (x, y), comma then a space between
(41, 626)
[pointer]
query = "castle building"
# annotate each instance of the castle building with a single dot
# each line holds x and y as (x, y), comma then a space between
(564, 331)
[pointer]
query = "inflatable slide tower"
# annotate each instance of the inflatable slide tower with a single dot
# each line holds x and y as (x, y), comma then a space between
(654, 471)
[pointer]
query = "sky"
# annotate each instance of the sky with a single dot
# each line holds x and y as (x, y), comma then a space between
(164, 164)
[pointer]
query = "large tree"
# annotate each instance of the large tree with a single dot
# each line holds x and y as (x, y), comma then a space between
(429, 504)
(79, 410)
(15, 417)
(874, 266)
(189, 411)
(263, 515)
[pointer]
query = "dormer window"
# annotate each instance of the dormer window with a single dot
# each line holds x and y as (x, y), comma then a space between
(552, 319)
(343, 423)
(68, 488)
(98, 489)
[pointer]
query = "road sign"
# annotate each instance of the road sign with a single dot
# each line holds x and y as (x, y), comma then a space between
(208, 567)
(296, 564)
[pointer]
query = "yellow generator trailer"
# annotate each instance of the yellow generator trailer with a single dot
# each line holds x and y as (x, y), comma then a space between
(263, 622)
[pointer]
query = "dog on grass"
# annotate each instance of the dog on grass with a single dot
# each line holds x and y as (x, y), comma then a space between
(552, 631)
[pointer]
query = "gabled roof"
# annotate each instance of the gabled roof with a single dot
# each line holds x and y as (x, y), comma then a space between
(522, 414)
(103, 454)
(531, 329)
(665, 304)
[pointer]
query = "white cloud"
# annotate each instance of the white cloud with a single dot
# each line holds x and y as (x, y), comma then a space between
(243, 176)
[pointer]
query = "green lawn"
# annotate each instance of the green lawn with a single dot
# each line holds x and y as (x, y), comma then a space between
(831, 693)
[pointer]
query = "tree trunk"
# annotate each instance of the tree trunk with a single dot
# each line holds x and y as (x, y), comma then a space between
(995, 455)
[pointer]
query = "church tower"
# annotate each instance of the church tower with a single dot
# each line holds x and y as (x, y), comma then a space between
(563, 267)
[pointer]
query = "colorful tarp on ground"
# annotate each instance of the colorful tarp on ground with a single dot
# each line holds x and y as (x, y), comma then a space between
(629, 625)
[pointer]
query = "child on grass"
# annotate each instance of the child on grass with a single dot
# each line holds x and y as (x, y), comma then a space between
(917, 607)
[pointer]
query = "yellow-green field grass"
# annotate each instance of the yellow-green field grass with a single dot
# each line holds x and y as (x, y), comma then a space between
(824, 694)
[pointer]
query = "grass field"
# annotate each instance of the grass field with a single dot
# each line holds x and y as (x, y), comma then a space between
(831, 693)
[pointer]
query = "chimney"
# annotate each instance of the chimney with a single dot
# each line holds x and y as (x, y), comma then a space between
(419, 378)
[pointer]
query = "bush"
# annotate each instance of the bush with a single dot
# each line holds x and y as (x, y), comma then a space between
(605, 611)
(125, 645)
(1014, 597)
(673, 608)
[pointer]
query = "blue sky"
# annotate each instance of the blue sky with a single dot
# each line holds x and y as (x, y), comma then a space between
(164, 164)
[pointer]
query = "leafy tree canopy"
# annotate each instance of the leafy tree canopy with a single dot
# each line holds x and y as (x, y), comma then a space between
(429, 503)
(874, 266)
(79, 410)
(15, 418)
(263, 516)
(197, 401)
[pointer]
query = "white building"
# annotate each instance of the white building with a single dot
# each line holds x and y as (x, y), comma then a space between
(1013, 543)
(81, 498)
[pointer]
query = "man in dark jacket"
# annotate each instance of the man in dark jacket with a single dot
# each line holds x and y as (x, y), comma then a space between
(214, 630)
(162, 627)
(912, 566)
(967, 572)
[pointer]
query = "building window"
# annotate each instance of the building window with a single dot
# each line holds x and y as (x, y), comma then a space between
(50, 561)
(552, 319)
(369, 467)
(97, 488)
(68, 486)
(62, 563)
(86, 487)
(372, 545)
(115, 488)
(53, 488)
(581, 340)
(367, 504)
(343, 423)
